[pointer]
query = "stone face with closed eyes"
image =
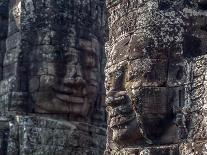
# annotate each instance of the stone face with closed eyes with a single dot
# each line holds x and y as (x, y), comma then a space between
(52, 73)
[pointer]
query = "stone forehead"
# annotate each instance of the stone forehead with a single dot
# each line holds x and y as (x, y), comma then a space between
(164, 26)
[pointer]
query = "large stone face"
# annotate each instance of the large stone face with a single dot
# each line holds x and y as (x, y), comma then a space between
(55, 56)
(52, 77)
(156, 77)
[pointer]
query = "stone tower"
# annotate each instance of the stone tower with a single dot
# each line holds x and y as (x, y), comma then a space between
(52, 77)
(156, 77)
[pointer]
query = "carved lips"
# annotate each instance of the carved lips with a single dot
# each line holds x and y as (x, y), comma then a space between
(70, 99)
(75, 98)
(120, 111)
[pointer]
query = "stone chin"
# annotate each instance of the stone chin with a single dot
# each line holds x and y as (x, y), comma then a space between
(124, 126)
(126, 133)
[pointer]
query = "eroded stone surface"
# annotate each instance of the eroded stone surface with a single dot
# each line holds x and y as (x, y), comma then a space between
(45, 136)
(156, 77)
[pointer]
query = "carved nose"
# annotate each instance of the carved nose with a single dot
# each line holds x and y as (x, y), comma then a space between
(79, 80)
(75, 78)
(118, 81)
(74, 75)
(79, 71)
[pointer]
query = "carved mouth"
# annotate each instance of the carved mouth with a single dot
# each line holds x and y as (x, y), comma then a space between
(121, 112)
(120, 122)
(116, 100)
(70, 95)
(73, 91)
(71, 98)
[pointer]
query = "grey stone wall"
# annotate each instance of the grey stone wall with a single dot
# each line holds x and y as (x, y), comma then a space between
(39, 135)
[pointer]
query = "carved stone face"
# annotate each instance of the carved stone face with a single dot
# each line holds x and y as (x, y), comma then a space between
(69, 78)
(138, 101)
(148, 51)
(56, 70)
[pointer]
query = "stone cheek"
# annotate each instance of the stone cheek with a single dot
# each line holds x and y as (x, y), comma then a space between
(156, 75)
